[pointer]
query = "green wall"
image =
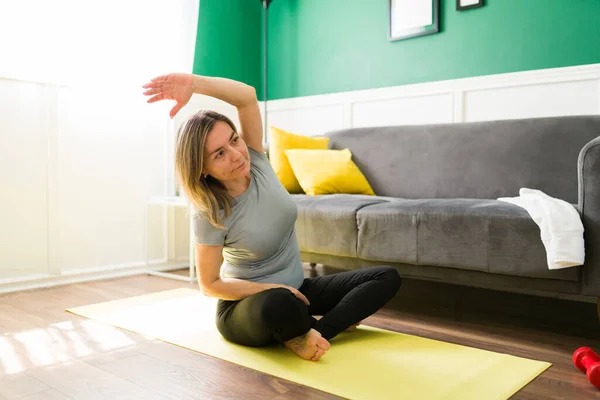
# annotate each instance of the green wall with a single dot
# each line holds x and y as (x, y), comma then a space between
(326, 46)
(229, 41)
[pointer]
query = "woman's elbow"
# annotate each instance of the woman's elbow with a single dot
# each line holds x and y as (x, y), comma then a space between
(207, 289)
(250, 94)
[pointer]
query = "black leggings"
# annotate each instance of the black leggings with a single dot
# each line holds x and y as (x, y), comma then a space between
(276, 315)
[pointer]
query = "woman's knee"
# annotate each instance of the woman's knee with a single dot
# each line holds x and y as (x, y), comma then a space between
(252, 336)
(244, 324)
(279, 304)
(391, 276)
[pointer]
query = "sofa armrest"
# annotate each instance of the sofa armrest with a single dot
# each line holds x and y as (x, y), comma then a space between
(588, 172)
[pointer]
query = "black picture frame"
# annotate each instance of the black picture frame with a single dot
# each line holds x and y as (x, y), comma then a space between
(413, 32)
(460, 7)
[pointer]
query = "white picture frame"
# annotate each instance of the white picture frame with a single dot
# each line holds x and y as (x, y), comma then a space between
(462, 5)
(412, 18)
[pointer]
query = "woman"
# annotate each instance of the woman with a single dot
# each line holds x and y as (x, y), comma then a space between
(247, 216)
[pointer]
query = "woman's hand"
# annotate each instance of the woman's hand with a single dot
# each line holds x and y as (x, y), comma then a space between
(177, 86)
(296, 293)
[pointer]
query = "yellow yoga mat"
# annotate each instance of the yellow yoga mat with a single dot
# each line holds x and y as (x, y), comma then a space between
(369, 363)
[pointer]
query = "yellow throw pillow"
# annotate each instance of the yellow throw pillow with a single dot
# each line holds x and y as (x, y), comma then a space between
(328, 172)
(280, 141)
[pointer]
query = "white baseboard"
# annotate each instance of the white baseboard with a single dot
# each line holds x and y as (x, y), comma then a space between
(40, 281)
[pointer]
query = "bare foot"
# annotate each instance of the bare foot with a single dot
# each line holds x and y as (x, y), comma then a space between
(310, 346)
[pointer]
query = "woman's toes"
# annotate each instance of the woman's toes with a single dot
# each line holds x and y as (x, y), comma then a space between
(318, 355)
(323, 343)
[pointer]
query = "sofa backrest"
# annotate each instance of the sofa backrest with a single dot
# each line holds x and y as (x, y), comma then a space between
(483, 160)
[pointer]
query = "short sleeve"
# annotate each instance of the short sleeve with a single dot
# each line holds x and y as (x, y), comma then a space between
(260, 160)
(206, 233)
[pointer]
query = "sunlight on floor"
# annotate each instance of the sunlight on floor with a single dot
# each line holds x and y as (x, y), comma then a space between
(59, 343)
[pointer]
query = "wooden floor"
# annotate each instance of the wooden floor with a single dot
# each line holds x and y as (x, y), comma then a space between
(46, 353)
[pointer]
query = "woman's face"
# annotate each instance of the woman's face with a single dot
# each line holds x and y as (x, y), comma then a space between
(226, 155)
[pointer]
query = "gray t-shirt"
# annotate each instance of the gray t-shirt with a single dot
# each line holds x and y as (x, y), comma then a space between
(259, 241)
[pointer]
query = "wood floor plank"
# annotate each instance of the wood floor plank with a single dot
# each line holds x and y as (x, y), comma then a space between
(51, 394)
(160, 377)
(20, 385)
(81, 380)
(65, 341)
(558, 381)
(15, 319)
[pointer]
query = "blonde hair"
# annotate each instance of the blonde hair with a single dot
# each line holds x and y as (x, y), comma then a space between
(207, 194)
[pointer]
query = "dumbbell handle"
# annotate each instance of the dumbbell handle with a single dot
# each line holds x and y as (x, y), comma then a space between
(588, 360)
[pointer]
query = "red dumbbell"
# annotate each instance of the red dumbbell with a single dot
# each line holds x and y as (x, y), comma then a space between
(588, 362)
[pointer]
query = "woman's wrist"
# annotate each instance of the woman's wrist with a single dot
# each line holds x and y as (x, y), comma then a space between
(233, 92)
(198, 84)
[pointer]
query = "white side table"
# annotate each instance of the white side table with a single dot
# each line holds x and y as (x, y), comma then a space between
(166, 202)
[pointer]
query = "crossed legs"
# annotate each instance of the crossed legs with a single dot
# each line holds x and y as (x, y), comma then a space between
(343, 300)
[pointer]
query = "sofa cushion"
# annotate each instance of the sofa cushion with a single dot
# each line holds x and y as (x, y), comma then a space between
(483, 235)
(326, 224)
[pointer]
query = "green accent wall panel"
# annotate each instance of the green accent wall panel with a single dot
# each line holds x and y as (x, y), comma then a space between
(229, 41)
(327, 46)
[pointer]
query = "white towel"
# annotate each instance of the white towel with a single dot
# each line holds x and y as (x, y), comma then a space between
(560, 226)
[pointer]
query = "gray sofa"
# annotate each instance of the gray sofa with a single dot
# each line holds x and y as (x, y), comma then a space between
(436, 215)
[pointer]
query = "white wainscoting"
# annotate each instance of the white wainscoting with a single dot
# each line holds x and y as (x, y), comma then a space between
(24, 178)
(540, 93)
(76, 169)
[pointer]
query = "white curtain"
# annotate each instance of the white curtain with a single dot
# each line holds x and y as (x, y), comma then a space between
(80, 149)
